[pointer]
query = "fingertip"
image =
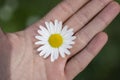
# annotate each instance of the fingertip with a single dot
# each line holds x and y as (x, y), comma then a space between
(115, 5)
(103, 36)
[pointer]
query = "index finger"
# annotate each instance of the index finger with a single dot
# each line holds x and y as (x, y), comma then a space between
(63, 10)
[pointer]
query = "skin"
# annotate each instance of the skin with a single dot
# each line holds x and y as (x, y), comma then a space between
(19, 59)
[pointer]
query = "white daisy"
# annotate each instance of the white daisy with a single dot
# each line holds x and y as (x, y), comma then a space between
(54, 40)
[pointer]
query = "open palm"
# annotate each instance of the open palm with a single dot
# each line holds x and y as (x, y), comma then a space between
(19, 59)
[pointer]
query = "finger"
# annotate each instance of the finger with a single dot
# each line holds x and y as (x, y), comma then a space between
(100, 22)
(96, 25)
(78, 20)
(81, 60)
(63, 10)
(1, 33)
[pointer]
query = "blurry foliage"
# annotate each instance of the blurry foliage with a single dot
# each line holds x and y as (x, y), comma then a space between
(15, 15)
(27, 12)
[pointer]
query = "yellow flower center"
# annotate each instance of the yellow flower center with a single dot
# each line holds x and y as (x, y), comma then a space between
(55, 40)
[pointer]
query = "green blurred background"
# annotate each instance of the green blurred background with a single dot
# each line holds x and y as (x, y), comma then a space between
(15, 15)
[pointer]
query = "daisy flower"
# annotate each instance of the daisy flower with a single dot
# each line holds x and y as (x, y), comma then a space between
(54, 40)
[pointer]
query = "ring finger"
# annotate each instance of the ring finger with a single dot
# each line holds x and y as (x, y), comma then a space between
(99, 23)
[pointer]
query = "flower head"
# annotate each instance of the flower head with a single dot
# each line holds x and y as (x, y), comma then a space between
(54, 40)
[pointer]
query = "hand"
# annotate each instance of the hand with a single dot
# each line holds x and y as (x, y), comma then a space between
(19, 59)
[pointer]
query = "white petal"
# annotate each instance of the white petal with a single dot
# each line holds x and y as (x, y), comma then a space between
(61, 51)
(40, 38)
(48, 50)
(52, 28)
(59, 29)
(45, 35)
(66, 46)
(71, 30)
(48, 26)
(42, 48)
(46, 55)
(73, 38)
(56, 26)
(56, 53)
(69, 38)
(69, 42)
(42, 53)
(64, 30)
(40, 42)
(72, 42)
(67, 51)
(52, 56)
(68, 35)
(56, 21)
(44, 29)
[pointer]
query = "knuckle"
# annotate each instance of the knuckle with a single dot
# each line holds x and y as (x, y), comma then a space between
(86, 35)
(83, 38)
(77, 62)
(103, 2)
(103, 20)
(90, 51)
(84, 16)
(80, 40)
(67, 7)
(81, 18)
(78, 21)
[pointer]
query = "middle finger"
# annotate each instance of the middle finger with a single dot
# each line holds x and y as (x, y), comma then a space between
(83, 16)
